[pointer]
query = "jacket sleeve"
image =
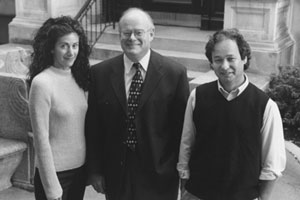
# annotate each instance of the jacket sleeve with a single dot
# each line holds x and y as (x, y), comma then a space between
(93, 131)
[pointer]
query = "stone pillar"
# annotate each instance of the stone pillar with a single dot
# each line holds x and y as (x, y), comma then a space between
(7, 13)
(264, 23)
(295, 30)
(30, 14)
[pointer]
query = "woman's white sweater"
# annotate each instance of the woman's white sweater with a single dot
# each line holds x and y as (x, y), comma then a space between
(57, 109)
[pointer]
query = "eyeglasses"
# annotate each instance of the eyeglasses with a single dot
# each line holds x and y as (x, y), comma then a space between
(139, 33)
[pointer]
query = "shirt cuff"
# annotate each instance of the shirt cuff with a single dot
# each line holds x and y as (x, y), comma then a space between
(183, 171)
(184, 174)
(269, 175)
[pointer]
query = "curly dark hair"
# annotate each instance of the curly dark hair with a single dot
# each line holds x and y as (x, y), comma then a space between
(232, 34)
(44, 42)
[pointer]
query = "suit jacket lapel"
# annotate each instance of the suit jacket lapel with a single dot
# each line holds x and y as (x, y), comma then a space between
(153, 76)
(117, 81)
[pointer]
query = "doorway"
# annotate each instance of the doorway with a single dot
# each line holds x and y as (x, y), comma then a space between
(205, 14)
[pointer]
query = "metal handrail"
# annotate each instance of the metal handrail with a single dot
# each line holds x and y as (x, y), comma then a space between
(95, 16)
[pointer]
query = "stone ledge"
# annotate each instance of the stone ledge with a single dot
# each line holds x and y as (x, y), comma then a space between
(293, 149)
(9, 147)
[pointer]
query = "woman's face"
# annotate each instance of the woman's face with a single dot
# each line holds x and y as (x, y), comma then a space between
(65, 51)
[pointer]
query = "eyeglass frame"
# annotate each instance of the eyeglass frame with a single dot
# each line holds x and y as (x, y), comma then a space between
(127, 34)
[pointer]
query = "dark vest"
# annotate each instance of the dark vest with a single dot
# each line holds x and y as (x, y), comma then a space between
(225, 161)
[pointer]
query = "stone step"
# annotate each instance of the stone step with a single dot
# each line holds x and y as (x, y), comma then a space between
(192, 61)
(190, 74)
(166, 38)
(7, 49)
(185, 45)
(197, 78)
(197, 74)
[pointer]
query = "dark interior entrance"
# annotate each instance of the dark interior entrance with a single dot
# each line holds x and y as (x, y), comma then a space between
(211, 11)
(177, 6)
(212, 14)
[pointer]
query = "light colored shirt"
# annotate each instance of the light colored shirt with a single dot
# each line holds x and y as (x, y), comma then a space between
(57, 107)
(273, 149)
(129, 71)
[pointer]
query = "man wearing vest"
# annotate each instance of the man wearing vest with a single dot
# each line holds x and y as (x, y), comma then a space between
(232, 145)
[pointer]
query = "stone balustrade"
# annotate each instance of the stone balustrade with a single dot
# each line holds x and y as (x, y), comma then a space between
(15, 125)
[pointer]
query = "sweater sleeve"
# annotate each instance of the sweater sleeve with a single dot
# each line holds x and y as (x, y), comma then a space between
(39, 108)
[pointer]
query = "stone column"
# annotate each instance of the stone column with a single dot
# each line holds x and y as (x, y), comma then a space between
(30, 14)
(264, 23)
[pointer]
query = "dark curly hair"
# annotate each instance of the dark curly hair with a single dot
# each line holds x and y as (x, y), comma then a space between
(232, 34)
(44, 42)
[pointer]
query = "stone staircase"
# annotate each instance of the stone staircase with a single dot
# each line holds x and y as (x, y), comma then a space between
(185, 45)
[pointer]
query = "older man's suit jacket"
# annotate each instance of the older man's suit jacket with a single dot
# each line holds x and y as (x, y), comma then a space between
(159, 121)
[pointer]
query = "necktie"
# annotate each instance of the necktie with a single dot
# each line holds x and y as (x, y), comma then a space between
(132, 104)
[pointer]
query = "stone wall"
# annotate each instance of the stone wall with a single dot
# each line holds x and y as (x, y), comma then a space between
(31, 14)
(265, 25)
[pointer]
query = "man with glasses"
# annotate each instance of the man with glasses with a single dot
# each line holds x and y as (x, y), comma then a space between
(135, 115)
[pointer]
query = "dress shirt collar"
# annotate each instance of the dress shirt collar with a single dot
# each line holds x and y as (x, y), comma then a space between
(144, 62)
(235, 93)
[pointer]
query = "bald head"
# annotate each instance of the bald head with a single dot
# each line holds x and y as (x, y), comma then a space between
(137, 13)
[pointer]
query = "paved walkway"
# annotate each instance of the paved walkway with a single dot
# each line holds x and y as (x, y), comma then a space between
(18, 194)
(287, 188)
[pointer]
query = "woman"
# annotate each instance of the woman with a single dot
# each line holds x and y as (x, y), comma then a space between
(58, 76)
